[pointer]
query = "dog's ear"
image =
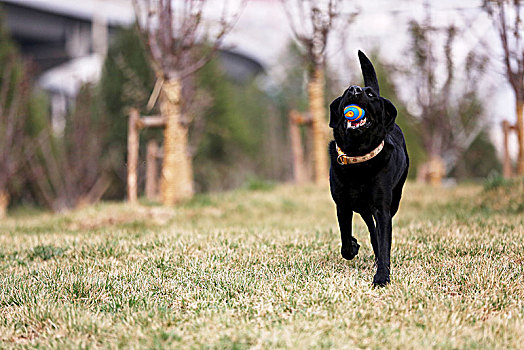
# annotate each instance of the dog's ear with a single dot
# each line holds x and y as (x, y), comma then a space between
(334, 108)
(390, 113)
(368, 72)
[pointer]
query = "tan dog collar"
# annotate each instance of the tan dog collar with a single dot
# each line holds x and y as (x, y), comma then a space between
(344, 159)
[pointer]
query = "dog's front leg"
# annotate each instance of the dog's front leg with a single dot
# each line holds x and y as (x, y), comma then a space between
(383, 219)
(368, 219)
(349, 243)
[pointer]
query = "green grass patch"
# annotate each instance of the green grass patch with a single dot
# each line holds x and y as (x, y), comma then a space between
(44, 252)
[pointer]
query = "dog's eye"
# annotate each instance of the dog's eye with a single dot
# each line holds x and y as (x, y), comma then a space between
(370, 94)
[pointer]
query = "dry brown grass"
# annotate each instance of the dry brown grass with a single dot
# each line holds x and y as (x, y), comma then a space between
(261, 269)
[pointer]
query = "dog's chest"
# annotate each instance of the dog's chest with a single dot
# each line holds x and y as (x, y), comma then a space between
(357, 194)
(353, 194)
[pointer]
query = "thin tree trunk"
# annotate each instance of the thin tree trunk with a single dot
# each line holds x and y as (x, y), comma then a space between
(318, 114)
(4, 202)
(151, 170)
(506, 169)
(299, 171)
(436, 170)
(177, 171)
(520, 133)
(132, 156)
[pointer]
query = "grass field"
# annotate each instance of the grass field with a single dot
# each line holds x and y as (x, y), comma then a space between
(262, 269)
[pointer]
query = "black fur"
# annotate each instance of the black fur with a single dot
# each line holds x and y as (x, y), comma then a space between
(372, 188)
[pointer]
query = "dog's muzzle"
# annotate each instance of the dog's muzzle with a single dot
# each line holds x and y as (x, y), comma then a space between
(355, 125)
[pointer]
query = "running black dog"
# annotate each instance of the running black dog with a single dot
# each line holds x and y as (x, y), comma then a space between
(369, 165)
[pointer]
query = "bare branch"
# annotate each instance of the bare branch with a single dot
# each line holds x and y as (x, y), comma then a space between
(311, 25)
(172, 33)
(144, 34)
(6, 79)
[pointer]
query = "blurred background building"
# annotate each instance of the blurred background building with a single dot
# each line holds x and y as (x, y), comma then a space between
(68, 41)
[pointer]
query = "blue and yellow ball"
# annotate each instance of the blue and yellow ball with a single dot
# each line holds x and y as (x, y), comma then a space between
(354, 113)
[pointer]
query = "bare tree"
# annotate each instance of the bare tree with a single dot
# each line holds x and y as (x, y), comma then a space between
(311, 22)
(14, 100)
(179, 44)
(451, 115)
(507, 19)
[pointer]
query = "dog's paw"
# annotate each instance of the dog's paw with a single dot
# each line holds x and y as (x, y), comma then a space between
(381, 278)
(350, 251)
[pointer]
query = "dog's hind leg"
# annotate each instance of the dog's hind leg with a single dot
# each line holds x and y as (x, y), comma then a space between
(349, 244)
(397, 193)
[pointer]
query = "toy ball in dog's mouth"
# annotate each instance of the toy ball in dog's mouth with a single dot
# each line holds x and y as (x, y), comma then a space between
(354, 116)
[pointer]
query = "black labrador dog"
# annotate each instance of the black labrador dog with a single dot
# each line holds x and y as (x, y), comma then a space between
(369, 165)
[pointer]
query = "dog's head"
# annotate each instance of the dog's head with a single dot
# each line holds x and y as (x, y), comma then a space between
(355, 134)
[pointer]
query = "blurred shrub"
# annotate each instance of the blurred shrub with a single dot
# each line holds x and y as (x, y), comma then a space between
(69, 170)
(23, 113)
(480, 160)
(503, 195)
(494, 182)
(232, 131)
